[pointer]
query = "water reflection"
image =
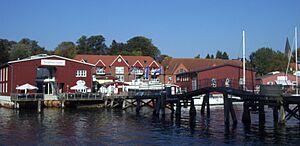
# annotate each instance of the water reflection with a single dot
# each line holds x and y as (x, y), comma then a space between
(117, 127)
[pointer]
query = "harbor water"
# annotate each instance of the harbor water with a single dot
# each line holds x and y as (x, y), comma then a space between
(117, 127)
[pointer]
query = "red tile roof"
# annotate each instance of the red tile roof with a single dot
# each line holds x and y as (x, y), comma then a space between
(192, 64)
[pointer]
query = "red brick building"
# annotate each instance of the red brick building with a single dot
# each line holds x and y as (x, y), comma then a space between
(51, 74)
(176, 66)
(193, 80)
(122, 68)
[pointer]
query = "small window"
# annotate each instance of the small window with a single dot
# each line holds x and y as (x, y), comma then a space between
(0, 75)
(81, 73)
(6, 87)
(0, 88)
(6, 74)
(145, 61)
(120, 78)
(119, 70)
(100, 70)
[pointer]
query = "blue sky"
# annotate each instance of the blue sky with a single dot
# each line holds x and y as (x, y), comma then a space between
(181, 29)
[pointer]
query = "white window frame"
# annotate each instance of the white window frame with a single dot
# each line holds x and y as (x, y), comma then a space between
(120, 77)
(6, 74)
(119, 70)
(0, 75)
(100, 70)
(6, 88)
(81, 73)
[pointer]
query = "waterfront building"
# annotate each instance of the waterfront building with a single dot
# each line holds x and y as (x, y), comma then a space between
(51, 75)
(226, 75)
(109, 68)
(176, 66)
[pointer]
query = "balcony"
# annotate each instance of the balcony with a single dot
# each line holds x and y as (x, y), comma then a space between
(100, 71)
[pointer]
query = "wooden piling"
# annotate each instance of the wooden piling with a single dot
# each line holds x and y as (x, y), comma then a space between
(226, 109)
(39, 106)
(192, 109)
(178, 109)
(246, 117)
(207, 106)
(261, 113)
(62, 104)
(275, 114)
(204, 102)
(232, 112)
(157, 106)
(163, 104)
(138, 105)
(282, 113)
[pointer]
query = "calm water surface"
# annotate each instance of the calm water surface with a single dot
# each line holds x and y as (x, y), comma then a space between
(117, 127)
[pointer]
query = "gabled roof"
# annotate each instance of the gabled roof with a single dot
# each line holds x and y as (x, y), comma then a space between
(137, 64)
(192, 64)
(108, 59)
(100, 63)
(49, 56)
(120, 58)
(153, 63)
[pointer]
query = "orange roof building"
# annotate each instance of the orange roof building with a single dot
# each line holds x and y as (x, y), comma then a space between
(123, 68)
(176, 66)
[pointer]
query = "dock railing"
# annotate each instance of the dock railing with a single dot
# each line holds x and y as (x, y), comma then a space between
(81, 96)
(27, 97)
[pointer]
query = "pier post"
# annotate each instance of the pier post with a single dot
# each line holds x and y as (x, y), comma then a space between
(203, 103)
(207, 106)
(226, 109)
(138, 105)
(163, 104)
(282, 113)
(16, 105)
(275, 114)
(246, 118)
(178, 109)
(192, 109)
(112, 102)
(261, 112)
(157, 106)
(39, 106)
(232, 112)
(62, 104)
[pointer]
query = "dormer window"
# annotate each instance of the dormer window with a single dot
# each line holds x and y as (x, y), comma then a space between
(100, 70)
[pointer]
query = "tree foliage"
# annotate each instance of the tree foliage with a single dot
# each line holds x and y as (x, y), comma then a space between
(197, 56)
(5, 45)
(66, 49)
(92, 45)
(266, 60)
(222, 55)
(144, 45)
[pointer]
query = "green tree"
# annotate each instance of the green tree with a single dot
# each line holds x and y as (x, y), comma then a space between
(267, 60)
(92, 45)
(66, 49)
(225, 56)
(207, 56)
(212, 56)
(144, 45)
(219, 55)
(5, 45)
(198, 56)
(118, 49)
(19, 51)
(33, 46)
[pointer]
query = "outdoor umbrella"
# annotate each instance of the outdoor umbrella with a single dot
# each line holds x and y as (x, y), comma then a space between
(26, 87)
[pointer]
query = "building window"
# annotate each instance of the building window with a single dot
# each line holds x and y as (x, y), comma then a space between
(6, 88)
(6, 74)
(0, 88)
(119, 70)
(81, 90)
(120, 78)
(81, 73)
(100, 70)
(0, 75)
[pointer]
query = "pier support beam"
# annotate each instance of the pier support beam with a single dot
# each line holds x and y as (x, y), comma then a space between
(261, 113)
(178, 109)
(163, 104)
(138, 105)
(192, 109)
(232, 112)
(226, 109)
(62, 104)
(205, 102)
(157, 106)
(282, 113)
(39, 106)
(275, 114)
(246, 118)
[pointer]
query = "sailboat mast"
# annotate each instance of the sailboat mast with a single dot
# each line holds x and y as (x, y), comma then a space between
(244, 62)
(296, 54)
